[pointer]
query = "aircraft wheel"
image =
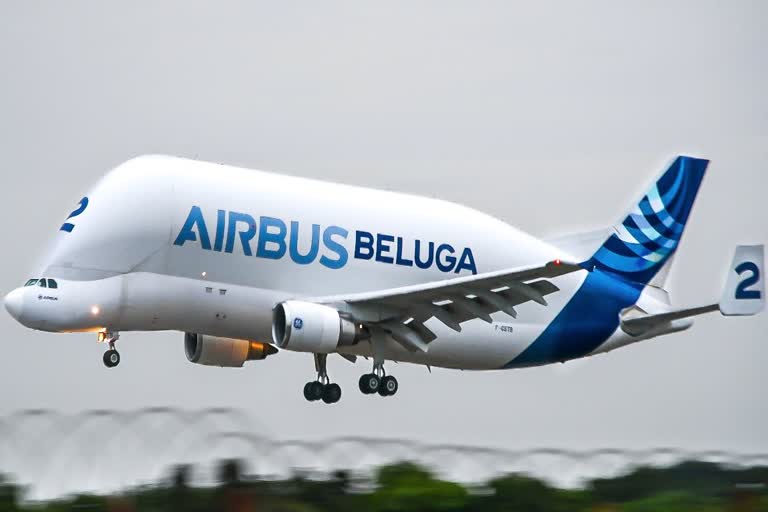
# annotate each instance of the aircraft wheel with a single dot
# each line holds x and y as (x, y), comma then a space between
(111, 358)
(331, 393)
(313, 391)
(388, 386)
(369, 383)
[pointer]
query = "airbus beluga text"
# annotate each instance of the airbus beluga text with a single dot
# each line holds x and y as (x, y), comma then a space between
(246, 262)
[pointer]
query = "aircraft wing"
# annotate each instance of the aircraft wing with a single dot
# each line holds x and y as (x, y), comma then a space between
(402, 311)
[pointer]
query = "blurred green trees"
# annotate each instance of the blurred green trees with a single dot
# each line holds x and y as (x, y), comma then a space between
(406, 487)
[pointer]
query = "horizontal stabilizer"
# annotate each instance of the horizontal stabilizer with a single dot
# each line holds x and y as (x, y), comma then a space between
(744, 294)
(650, 323)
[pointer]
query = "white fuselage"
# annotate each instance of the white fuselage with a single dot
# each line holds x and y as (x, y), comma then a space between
(165, 243)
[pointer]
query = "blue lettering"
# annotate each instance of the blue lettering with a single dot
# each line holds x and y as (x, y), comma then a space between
(399, 260)
(334, 246)
(187, 233)
(430, 255)
(363, 245)
(220, 219)
(304, 259)
(450, 259)
(245, 236)
(266, 237)
(466, 262)
(382, 249)
(272, 243)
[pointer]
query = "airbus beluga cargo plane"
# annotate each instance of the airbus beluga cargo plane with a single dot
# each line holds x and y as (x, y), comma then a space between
(245, 263)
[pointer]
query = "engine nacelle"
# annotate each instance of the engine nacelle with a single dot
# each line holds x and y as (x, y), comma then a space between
(310, 327)
(228, 352)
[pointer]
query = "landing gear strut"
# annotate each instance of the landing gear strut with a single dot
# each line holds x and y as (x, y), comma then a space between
(322, 388)
(378, 382)
(111, 356)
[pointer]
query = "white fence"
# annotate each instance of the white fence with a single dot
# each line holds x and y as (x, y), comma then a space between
(53, 454)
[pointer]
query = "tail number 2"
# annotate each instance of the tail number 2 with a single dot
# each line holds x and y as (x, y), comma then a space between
(742, 290)
(69, 226)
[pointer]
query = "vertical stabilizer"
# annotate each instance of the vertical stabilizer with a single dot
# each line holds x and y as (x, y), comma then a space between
(642, 245)
(744, 292)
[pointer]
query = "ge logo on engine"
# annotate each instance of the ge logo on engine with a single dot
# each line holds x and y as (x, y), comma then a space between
(298, 323)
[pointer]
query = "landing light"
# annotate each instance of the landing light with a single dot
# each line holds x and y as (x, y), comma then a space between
(95, 310)
(204, 274)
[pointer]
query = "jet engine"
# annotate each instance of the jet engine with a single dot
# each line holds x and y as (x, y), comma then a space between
(310, 327)
(228, 352)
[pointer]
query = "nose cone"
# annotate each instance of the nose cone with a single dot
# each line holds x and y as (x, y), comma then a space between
(14, 302)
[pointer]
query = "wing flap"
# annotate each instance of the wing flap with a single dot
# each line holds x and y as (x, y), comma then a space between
(406, 336)
(402, 312)
(440, 290)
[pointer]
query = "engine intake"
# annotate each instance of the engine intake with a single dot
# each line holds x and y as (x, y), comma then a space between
(226, 352)
(309, 327)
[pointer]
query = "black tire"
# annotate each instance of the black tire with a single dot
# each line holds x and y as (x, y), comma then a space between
(369, 383)
(307, 394)
(111, 358)
(389, 386)
(361, 384)
(331, 393)
(313, 391)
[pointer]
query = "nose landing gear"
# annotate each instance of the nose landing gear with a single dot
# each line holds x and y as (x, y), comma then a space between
(111, 356)
(322, 388)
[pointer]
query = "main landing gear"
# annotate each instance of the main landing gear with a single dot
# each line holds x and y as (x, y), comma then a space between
(322, 388)
(111, 356)
(378, 382)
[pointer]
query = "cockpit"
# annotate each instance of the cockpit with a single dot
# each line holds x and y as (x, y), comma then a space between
(42, 282)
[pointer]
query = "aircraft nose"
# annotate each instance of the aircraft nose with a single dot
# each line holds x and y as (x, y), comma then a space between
(14, 302)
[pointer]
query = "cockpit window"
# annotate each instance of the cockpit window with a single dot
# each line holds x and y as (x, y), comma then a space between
(43, 283)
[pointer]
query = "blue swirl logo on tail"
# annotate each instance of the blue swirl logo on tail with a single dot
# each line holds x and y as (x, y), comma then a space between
(651, 232)
(637, 249)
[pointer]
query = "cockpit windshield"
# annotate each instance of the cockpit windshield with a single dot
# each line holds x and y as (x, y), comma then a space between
(43, 283)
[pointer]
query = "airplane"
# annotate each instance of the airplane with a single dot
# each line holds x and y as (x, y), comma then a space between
(247, 263)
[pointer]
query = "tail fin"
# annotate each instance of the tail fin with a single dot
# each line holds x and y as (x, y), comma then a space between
(646, 239)
(744, 292)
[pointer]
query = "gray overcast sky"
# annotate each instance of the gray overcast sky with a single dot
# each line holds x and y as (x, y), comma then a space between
(550, 115)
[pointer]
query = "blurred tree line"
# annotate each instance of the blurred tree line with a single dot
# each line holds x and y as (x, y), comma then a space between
(689, 486)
